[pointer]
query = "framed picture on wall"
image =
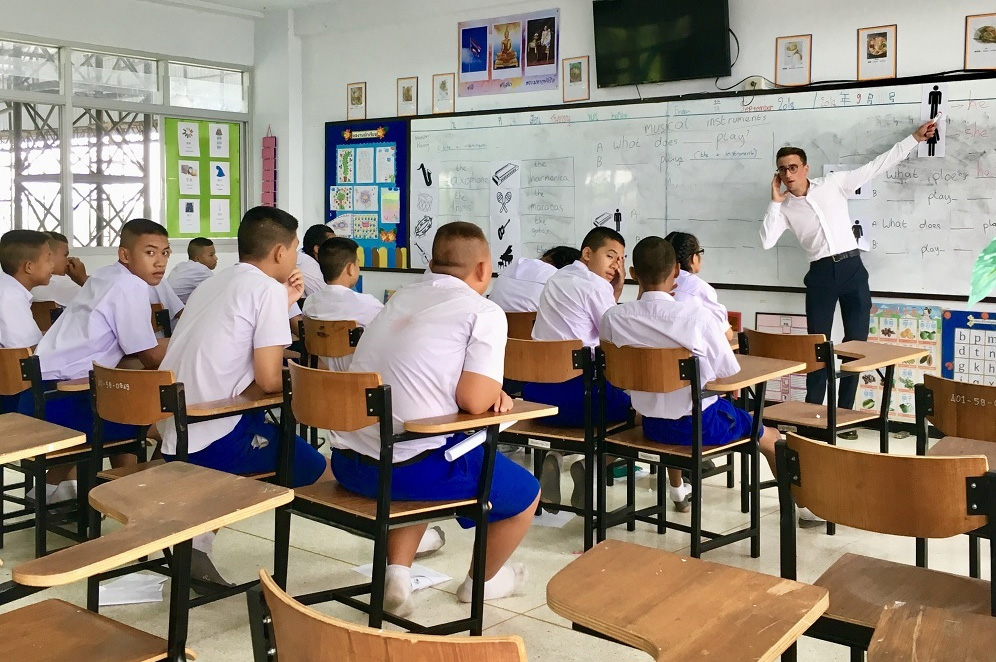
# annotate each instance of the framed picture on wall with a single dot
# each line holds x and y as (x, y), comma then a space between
(877, 52)
(356, 101)
(442, 92)
(408, 96)
(980, 41)
(793, 60)
(576, 81)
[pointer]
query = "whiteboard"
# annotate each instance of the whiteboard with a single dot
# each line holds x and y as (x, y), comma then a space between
(705, 166)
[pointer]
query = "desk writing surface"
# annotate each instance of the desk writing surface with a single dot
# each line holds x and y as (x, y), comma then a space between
(521, 410)
(873, 355)
(907, 633)
(233, 405)
(23, 436)
(754, 370)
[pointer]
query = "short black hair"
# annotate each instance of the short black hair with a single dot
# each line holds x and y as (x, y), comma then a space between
(685, 247)
(262, 228)
(57, 238)
(334, 255)
(791, 151)
(139, 227)
(452, 246)
(653, 260)
(561, 256)
(18, 247)
(598, 237)
(315, 237)
(195, 246)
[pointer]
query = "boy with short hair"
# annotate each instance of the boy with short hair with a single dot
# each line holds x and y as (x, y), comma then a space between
(26, 262)
(656, 319)
(61, 288)
(337, 300)
(440, 345)
(519, 287)
(201, 261)
(230, 342)
(307, 257)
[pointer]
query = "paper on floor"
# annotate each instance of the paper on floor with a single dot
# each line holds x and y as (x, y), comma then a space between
(132, 589)
(422, 577)
(553, 520)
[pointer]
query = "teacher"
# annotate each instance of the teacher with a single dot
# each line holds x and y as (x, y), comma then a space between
(815, 210)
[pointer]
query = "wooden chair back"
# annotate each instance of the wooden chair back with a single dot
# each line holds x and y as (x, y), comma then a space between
(800, 348)
(961, 409)
(902, 495)
(542, 361)
(654, 370)
(520, 325)
(330, 338)
(11, 382)
(130, 397)
(331, 400)
(161, 321)
(301, 634)
(42, 312)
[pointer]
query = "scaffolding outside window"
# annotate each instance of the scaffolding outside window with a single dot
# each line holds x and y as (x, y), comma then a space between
(29, 67)
(206, 87)
(117, 77)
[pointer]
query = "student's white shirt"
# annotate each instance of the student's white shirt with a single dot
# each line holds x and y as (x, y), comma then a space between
(820, 219)
(312, 272)
(61, 289)
(186, 276)
(428, 334)
(163, 293)
(657, 320)
(211, 350)
(17, 325)
(693, 289)
(337, 302)
(107, 321)
(518, 288)
(572, 304)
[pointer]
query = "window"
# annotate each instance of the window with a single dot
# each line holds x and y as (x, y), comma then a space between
(118, 77)
(206, 87)
(30, 166)
(29, 67)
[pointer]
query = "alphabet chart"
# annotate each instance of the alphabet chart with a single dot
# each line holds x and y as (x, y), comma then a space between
(969, 349)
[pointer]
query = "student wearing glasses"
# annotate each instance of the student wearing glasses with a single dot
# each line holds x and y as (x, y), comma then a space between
(689, 286)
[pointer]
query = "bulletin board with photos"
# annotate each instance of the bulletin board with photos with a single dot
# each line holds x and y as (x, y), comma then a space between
(203, 177)
(367, 189)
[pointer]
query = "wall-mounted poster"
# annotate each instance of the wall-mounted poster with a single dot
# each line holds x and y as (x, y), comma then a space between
(877, 52)
(407, 96)
(576, 81)
(442, 93)
(980, 41)
(509, 54)
(793, 57)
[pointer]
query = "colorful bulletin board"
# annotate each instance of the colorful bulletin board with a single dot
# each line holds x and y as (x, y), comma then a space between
(791, 387)
(366, 166)
(203, 178)
(517, 53)
(907, 326)
(969, 347)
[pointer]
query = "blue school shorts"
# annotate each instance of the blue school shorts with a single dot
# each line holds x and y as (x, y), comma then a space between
(9, 403)
(721, 424)
(568, 397)
(235, 454)
(434, 478)
(72, 410)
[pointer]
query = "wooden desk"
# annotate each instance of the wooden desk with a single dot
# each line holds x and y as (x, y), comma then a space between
(161, 507)
(873, 355)
(754, 370)
(239, 403)
(959, 447)
(520, 411)
(23, 437)
(74, 385)
(682, 609)
(908, 632)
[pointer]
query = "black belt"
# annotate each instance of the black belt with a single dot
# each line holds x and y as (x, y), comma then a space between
(375, 462)
(839, 257)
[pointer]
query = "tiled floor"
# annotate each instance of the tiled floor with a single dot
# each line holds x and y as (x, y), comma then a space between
(324, 557)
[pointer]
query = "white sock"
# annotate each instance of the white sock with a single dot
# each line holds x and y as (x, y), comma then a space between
(678, 493)
(398, 590)
(205, 542)
(431, 541)
(510, 580)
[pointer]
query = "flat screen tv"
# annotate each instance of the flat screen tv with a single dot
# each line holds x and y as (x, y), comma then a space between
(650, 41)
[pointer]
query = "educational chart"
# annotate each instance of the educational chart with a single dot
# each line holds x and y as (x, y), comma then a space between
(509, 54)
(203, 178)
(705, 166)
(908, 326)
(969, 347)
(790, 387)
(366, 183)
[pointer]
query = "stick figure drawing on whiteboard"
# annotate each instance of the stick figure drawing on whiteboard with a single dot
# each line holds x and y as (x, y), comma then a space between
(934, 98)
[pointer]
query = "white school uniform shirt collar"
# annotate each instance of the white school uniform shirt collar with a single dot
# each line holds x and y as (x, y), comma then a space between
(186, 276)
(571, 305)
(211, 351)
(657, 320)
(692, 288)
(61, 289)
(337, 302)
(311, 271)
(518, 288)
(17, 325)
(820, 219)
(428, 334)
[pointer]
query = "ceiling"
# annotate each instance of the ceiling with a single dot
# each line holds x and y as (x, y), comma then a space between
(242, 6)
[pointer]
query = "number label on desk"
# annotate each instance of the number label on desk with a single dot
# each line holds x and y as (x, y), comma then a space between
(120, 386)
(960, 399)
(536, 443)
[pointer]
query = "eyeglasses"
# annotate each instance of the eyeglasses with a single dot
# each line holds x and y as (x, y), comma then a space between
(793, 168)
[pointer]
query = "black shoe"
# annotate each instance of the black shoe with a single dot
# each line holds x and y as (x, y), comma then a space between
(550, 484)
(849, 435)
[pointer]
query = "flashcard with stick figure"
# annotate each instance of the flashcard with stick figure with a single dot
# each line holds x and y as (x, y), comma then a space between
(934, 103)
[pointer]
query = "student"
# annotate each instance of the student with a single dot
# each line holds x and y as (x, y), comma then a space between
(201, 261)
(689, 287)
(62, 288)
(229, 342)
(440, 345)
(307, 257)
(26, 262)
(107, 321)
(518, 288)
(337, 300)
(656, 319)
